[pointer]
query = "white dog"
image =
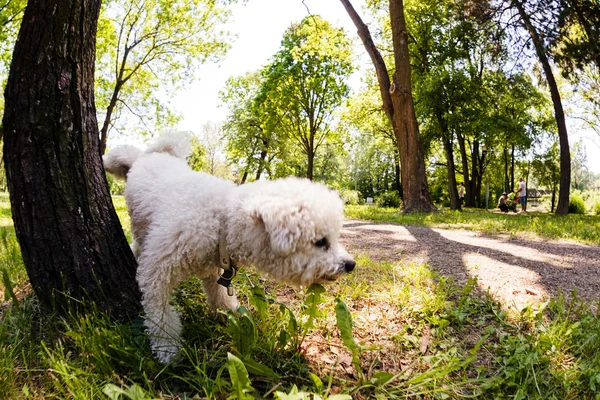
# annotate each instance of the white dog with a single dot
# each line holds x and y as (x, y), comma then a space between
(190, 223)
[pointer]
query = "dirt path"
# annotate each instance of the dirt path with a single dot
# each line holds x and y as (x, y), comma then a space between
(517, 271)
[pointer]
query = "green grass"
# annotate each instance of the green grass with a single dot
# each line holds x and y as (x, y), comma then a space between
(409, 334)
(583, 228)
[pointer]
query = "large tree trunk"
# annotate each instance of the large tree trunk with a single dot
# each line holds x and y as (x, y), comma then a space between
(563, 137)
(398, 106)
(71, 240)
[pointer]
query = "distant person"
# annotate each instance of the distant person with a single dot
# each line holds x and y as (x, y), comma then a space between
(502, 203)
(461, 194)
(522, 193)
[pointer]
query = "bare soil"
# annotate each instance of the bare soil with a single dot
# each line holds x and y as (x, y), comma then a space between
(517, 271)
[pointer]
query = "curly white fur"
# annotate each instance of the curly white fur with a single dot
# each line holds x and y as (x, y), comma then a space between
(177, 215)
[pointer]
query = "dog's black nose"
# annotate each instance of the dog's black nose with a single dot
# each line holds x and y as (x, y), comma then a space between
(349, 265)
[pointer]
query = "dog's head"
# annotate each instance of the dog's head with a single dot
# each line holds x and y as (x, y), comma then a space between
(292, 231)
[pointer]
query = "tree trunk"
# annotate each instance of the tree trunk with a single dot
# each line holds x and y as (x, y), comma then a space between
(565, 156)
(398, 106)
(108, 118)
(465, 166)
(311, 160)
(553, 197)
(244, 176)
(452, 190)
(473, 199)
(512, 168)
(448, 150)
(71, 240)
(397, 178)
(506, 181)
(263, 157)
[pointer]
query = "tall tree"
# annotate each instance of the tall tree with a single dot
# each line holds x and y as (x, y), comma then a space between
(250, 128)
(308, 79)
(152, 46)
(396, 95)
(538, 20)
(71, 240)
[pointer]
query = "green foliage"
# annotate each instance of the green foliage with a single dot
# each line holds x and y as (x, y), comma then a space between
(306, 82)
(146, 48)
(197, 160)
(597, 208)
(116, 186)
(352, 197)
(576, 205)
(388, 199)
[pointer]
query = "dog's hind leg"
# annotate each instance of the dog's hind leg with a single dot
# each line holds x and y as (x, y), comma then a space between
(216, 295)
(164, 326)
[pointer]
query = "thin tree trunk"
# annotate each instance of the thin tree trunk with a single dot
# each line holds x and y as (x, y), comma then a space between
(71, 240)
(397, 184)
(244, 176)
(473, 199)
(311, 159)
(512, 168)
(563, 137)
(263, 156)
(553, 197)
(451, 169)
(452, 187)
(107, 119)
(398, 106)
(465, 165)
(261, 163)
(506, 181)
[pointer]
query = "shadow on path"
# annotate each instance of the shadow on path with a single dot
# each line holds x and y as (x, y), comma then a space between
(517, 272)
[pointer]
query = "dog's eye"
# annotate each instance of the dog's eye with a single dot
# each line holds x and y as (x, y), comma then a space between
(322, 243)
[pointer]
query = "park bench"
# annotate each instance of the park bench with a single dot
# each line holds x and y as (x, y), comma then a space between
(534, 196)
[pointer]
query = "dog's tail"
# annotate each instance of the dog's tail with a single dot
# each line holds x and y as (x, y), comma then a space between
(177, 144)
(119, 160)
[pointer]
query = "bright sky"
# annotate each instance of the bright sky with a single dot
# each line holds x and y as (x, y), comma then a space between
(260, 25)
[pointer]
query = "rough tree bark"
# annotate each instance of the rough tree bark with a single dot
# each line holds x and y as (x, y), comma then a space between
(71, 240)
(398, 106)
(565, 156)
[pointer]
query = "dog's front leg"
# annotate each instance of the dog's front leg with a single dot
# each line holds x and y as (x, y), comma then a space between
(216, 295)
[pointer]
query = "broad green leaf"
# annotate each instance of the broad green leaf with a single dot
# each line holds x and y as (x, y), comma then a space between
(256, 368)
(344, 323)
(239, 378)
(258, 300)
(242, 330)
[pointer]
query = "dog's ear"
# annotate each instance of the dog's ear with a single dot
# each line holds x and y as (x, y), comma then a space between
(284, 224)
